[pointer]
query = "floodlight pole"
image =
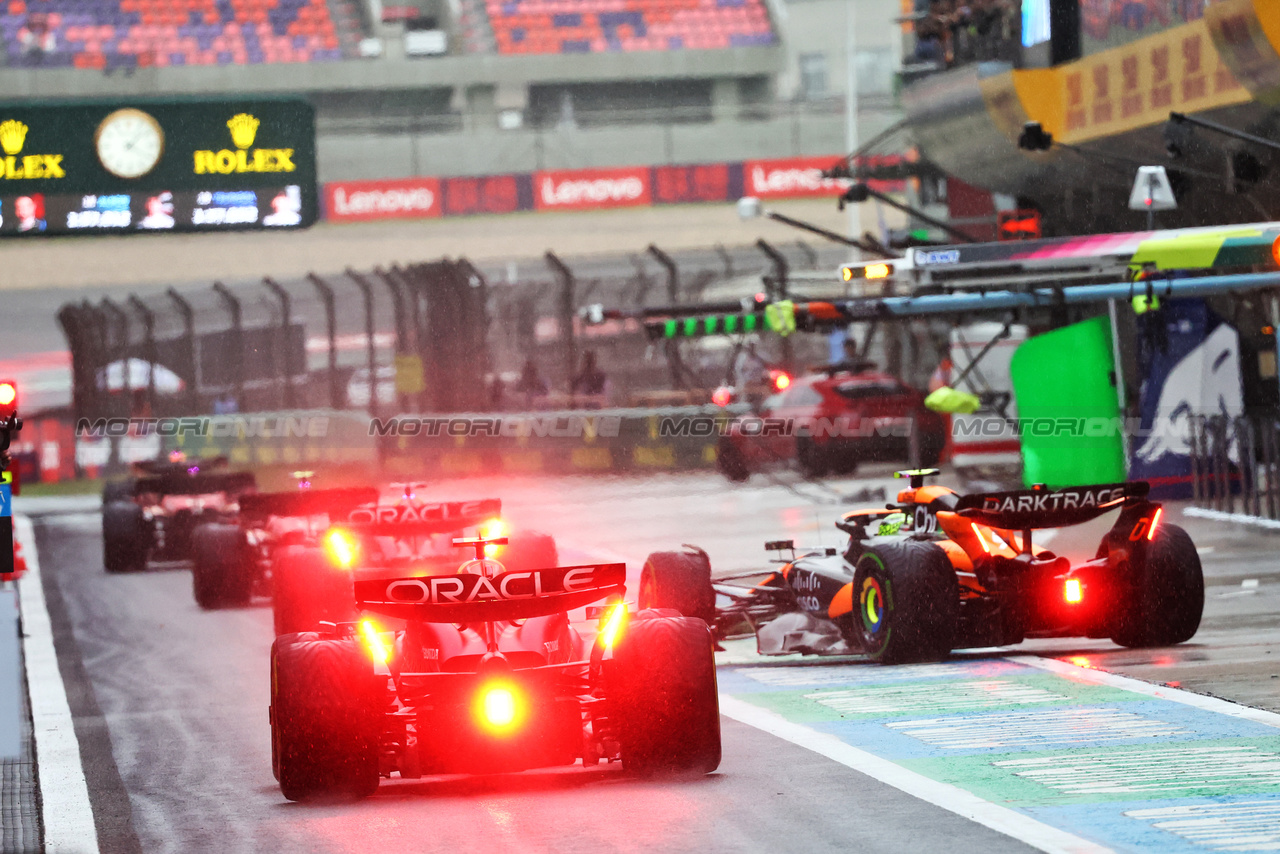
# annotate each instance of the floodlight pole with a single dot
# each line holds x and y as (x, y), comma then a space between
(822, 232)
(860, 192)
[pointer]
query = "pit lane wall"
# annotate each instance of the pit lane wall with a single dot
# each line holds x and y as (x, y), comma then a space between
(341, 445)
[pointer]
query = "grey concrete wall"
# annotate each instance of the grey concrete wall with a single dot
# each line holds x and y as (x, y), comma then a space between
(346, 157)
(37, 84)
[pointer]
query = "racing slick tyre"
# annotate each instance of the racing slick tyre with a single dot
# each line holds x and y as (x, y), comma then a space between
(665, 702)
(221, 566)
(529, 550)
(124, 537)
(1167, 600)
(326, 718)
(812, 460)
(307, 588)
(906, 601)
(117, 490)
(731, 462)
(680, 581)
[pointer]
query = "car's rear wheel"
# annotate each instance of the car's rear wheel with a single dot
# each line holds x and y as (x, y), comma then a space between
(1167, 597)
(114, 491)
(665, 703)
(326, 718)
(125, 537)
(906, 602)
(306, 589)
(813, 460)
(222, 566)
(529, 550)
(680, 581)
(731, 462)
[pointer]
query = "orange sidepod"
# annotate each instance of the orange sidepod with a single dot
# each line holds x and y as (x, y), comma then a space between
(842, 602)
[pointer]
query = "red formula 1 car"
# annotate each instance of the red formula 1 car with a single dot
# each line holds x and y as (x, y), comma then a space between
(238, 554)
(480, 671)
(313, 577)
(830, 422)
(154, 514)
(938, 571)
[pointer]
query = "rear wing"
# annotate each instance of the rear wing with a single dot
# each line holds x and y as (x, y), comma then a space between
(470, 598)
(177, 467)
(337, 503)
(199, 483)
(407, 520)
(1045, 508)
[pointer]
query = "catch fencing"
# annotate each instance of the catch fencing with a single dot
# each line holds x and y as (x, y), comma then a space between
(434, 337)
(1235, 463)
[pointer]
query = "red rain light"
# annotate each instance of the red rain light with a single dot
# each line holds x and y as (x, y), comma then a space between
(1073, 592)
(722, 396)
(612, 624)
(781, 380)
(500, 707)
(341, 548)
(1155, 523)
(373, 642)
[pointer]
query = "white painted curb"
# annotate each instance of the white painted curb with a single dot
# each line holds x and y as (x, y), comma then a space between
(65, 810)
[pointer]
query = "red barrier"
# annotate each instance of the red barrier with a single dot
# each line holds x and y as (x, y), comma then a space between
(492, 194)
(587, 189)
(351, 201)
(705, 183)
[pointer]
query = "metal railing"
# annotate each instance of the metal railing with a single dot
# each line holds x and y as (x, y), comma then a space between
(1235, 463)
(442, 336)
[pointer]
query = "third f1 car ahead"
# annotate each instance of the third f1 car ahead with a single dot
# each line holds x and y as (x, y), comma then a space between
(938, 571)
(479, 669)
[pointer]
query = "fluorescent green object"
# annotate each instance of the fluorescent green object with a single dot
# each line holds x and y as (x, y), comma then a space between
(1143, 304)
(781, 317)
(1068, 413)
(947, 399)
(1187, 252)
(891, 524)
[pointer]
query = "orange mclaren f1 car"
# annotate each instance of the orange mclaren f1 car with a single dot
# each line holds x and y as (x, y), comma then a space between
(937, 571)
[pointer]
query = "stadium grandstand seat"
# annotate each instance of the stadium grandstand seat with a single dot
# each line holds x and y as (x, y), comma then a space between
(599, 26)
(107, 34)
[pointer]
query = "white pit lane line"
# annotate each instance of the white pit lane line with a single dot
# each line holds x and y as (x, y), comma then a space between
(952, 798)
(64, 796)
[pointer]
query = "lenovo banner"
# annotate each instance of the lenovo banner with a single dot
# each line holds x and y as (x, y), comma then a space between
(586, 189)
(351, 201)
(794, 177)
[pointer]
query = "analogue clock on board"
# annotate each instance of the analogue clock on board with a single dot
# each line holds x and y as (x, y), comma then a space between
(129, 143)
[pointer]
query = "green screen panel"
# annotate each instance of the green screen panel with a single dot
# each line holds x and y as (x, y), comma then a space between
(1068, 412)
